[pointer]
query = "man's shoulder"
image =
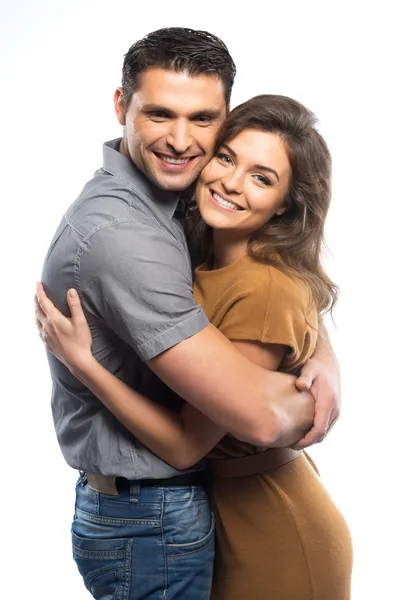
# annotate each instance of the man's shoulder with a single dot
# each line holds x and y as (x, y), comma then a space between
(105, 201)
(112, 223)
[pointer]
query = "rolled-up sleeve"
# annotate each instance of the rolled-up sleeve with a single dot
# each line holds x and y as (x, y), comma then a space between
(137, 278)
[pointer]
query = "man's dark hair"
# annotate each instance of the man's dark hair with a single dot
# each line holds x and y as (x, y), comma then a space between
(178, 49)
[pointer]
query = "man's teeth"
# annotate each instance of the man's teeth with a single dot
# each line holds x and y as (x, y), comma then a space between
(225, 202)
(175, 161)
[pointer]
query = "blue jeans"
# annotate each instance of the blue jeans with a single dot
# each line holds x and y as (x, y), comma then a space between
(146, 543)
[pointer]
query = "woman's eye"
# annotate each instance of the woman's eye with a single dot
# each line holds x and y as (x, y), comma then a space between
(262, 179)
(224, 158)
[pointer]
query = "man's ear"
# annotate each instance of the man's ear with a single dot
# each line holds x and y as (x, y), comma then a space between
(119, 106)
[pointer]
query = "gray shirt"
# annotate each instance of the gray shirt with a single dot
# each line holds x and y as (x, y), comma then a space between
(124, 251)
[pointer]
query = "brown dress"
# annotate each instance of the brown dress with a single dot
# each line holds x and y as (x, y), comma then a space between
(279, 534)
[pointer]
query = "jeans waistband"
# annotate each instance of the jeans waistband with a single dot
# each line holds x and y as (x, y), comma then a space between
(185, 479)
(113, 485)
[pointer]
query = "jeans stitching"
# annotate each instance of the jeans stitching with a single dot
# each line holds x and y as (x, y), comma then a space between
(186, 554)
(85, 516)
(93, 575)
(122, 572)
(124, 588)
(166, 581)
(98, 554)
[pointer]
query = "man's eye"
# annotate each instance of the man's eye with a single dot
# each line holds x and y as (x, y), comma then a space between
(158, 115)
(203, 119)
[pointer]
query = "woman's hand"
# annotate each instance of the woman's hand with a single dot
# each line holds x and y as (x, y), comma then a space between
(69, 339)
(322, 379)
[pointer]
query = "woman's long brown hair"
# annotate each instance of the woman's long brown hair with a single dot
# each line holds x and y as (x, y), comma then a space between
(293, 242)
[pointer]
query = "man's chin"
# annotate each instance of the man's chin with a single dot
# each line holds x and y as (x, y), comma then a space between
(174, 186)
(174, 183)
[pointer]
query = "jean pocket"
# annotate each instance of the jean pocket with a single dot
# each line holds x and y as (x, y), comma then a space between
(104, 564)
(192, 546)
(187, 518)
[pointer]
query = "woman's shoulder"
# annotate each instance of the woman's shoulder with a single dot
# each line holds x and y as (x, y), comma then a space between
(291, 317)
(277, 280)
(289, 284)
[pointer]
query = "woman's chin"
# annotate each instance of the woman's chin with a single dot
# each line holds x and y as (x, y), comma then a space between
(218, 224)
(215, 220)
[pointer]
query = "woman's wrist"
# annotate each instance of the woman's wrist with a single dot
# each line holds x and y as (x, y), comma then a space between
(83, 366)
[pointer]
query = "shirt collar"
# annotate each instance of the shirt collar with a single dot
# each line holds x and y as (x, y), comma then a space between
(119, 165)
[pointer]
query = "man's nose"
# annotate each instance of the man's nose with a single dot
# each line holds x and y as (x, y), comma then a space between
(179, 137)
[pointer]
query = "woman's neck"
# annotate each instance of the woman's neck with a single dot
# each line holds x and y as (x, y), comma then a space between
(227, 248)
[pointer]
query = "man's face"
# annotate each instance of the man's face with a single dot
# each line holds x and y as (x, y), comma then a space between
(171, 124)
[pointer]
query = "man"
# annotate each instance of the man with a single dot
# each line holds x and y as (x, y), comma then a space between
(123, 247)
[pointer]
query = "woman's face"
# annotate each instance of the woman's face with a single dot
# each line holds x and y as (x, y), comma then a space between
(246, 183)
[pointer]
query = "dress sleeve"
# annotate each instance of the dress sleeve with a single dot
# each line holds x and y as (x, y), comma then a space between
(273, 308)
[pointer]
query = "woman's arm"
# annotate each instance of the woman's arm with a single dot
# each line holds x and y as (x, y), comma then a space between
(321, 376)
(179, 439)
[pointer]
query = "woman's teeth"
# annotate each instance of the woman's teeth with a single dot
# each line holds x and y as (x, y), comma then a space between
(225, 203)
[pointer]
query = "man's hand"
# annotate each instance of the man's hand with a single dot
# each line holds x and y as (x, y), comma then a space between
(322, 379)
(69, 339)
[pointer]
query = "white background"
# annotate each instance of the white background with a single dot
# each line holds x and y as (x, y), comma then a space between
(60, 63)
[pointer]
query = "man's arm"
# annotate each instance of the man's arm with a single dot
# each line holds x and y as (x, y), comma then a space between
(257, 406)
(139, 282)
(179, 439)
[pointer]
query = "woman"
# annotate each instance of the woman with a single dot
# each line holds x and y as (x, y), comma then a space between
(263, 201)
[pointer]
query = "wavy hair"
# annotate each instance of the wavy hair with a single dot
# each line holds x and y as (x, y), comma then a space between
(293, 241)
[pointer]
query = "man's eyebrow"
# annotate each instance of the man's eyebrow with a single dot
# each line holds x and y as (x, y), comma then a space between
(260, 167)
(156, 108)
(212, 113)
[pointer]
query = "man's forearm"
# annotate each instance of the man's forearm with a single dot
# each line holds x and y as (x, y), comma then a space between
(257, 406)
(293, 411)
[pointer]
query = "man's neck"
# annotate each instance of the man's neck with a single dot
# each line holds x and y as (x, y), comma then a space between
(123, 148)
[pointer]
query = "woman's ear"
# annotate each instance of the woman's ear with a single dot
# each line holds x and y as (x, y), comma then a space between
(282, 210)
(287, 203)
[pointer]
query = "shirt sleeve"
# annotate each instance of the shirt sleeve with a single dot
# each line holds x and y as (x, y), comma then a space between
(272, 309)
(137, 278)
